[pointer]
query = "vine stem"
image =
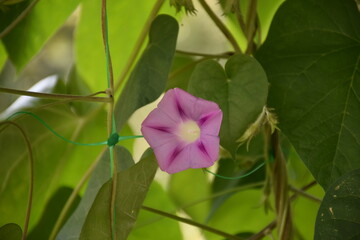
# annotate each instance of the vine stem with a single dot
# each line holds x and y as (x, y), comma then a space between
(14, 23)
(193, 223)
(89, 98)
(31, 176)
(221, 26)
(220, 55)
(251, 26)
(262, 233)
(110, 117)
(139, 43)
(72, 197)
(280, 188)
(240, 16)
(305, 194)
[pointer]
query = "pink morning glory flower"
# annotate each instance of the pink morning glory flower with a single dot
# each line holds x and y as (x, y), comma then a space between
(183, 131)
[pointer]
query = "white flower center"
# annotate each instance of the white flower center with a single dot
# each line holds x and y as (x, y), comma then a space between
(189, 131)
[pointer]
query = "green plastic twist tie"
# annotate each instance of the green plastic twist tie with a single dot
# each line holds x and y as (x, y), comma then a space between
(113, 140)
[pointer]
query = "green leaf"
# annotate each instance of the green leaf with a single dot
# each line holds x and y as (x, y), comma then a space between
(29, 36)
(148, 80)
(77, 85)
(57, 163)
(240, 91)
(242, 212)
(339, 213)
(51, 212)
(246, 161)
(197, 188)
(312, 58)
(101, 174)
(3, 55)
(124, 29)
(132, 186)
(10, 231)
(152, 226)
(181, 71)
(304, 212)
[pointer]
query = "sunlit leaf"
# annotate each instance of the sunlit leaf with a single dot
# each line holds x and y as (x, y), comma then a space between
(124, 29)
(148, 79)
(101, 174)
(242, 212)
(240, 90)
(30, 35)
(152, 226)
(10, 231)
(339, 213)
(57, 163)
(132, 186)
(311, 57)
(197, 188)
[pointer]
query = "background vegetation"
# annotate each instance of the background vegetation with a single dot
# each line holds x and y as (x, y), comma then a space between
(299, 58)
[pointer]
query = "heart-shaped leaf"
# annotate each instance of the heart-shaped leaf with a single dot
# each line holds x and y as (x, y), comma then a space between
(312, 59)
(240, 90)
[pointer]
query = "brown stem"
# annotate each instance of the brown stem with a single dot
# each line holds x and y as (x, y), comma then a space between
(240, 17)
(305, 194)
(280, 187)
(266, 230)
(251, 26)
(89, 98)
(110, 116)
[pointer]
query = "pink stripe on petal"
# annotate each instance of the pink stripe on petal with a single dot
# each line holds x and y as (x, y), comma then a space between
(210, 123)
(169, 106)
(180, 162)
(167, 153)
(185, 103)
(158, 118)
(199, 156)
(168, 131)
(157, 136)
(211, 145)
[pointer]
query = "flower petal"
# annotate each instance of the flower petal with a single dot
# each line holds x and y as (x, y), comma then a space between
(161, 130)
(166, 155)
(203, 107)
(158, 128)
(210, 123)
(210, 146)
(157, 136)
(177, 104)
